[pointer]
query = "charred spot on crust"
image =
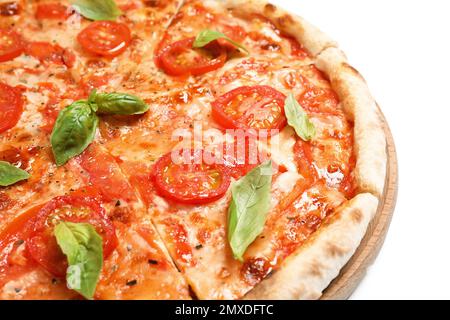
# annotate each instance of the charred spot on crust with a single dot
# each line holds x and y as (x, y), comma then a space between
(334, 250)
(315, 269)
(270, 8)
(8, 9)
(285, 20)
(256, 269)
(357, 215)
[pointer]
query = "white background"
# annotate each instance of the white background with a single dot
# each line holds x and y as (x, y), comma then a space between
(402, 47)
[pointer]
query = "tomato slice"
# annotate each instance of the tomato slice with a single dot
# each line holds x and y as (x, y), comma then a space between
(11, 45)
(50, 53)
(42, 245)
(319, 100)
(180, 59)
(191, 182)
(105, 38)
(54, 11)
(11, 107)
(256, 107)
(104, 173)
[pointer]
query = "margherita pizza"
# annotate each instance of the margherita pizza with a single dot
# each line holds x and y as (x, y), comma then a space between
(197, 149)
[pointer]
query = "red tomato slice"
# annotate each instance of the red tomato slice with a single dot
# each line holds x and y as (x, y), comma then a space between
(104, 173)
(42, 245)
(50, 53)
(191, 182)
(257, 107)
(11, 240)
(11, 107)
(180, 59)
(105, 38)
(11, 45)
(319, 100)
(54, 11)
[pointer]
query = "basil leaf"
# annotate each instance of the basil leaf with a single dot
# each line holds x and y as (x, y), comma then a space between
(10, 175)
(208, 36)
(83, 247)
(117, 103)
(97, 9)
(74, 130)
(249, 207)
(298, 119)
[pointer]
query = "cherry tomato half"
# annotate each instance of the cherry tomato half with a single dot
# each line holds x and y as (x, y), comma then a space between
(11, 45)
(256, 107)
(11, 107)
(180, 59)
(54, 11)
(105, 38)
(193, 181)
(42, 245)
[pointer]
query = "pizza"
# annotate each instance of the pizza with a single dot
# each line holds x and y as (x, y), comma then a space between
(179, 150)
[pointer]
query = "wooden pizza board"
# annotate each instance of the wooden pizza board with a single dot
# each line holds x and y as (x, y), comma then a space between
(355, 270)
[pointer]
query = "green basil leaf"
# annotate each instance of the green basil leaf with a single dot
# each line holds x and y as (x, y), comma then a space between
(97, 9)
(249, 207)
(74, 130)
(83, 247)
(298, 119)
(10, 175)
(208, 36)
(117, 103)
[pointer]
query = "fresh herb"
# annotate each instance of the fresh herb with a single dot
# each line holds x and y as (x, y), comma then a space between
(83, 247)
(117, 103)
(76, 125)
(249, 207)
(74, 130)
(298, 119)
(97, 9)
(10, 174)
(207, 36)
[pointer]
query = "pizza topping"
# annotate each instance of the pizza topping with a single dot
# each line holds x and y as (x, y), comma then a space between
(11, 107)
(83, 247)
(97, 9)
(76, 125)
(207, 36)
(319, 100)
(104, 173)
(105, 38)
(8, 9)
(10, 174)
(180, 58)
(74, 130)
(190, 179)
(52, 11)
(248, 209)
(257, 107)
(49, 53)
(42, 244)
(11, 45)
(118, 103)
(298, 119)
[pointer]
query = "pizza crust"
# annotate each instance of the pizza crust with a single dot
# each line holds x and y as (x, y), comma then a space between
(361, 108)
(314, 40)
(305, 274)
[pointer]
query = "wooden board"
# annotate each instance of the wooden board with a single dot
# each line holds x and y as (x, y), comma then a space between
(355, 270)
